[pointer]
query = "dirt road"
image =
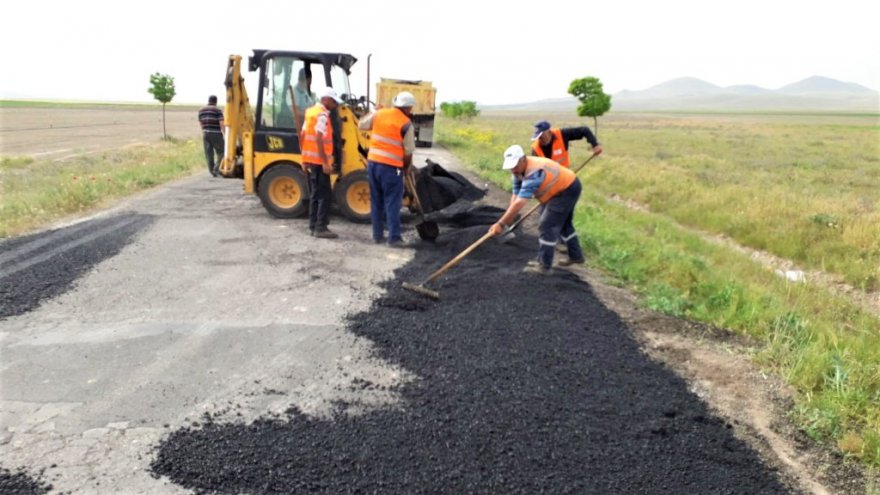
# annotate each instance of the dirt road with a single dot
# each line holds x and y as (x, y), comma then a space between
(185, 340)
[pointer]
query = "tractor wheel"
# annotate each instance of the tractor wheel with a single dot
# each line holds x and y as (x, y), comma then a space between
(352, 196)
(283, 189)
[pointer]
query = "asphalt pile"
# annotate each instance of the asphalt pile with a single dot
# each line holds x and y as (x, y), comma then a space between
(438, 188)
(450, 199)
(21, 483)
(526, 384)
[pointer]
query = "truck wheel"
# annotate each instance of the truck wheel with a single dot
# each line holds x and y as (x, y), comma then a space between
(283, 190)
(352, 196)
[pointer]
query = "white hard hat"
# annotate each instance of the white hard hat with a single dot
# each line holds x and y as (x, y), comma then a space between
(404, 99)
(512, 156)
(331, 93)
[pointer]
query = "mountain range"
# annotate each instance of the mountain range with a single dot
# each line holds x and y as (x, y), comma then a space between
(689, 93)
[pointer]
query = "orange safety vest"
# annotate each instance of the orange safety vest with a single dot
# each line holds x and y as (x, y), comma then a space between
(560, 154)
(310, 153)
(556, 177)
(386, 138)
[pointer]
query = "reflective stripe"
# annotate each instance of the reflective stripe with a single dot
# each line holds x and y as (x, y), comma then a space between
(309, 146)
(312, 154)
(385, 154)
(546, 243)
(384, 139)
(547, 184)
(572, 236)
(560, 154)
(556, 177)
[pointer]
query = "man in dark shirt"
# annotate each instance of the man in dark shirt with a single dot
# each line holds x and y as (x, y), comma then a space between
(550, 142)
(211, 120)
(553, 142)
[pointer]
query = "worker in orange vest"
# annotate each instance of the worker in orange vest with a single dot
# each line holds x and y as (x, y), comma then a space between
(552, 142)
(558, 189)
(392, 143)
(317, 157)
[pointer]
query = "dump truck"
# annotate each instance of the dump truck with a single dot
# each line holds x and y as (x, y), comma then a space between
(423, 112)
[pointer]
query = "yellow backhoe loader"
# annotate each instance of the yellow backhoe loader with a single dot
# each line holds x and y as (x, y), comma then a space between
(263, 143)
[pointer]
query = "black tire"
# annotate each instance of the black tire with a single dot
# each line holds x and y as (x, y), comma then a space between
(351, 194)
(283, 190)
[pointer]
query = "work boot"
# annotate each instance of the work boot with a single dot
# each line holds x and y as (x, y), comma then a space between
(538, 270)
(569, 262)
(325, 233)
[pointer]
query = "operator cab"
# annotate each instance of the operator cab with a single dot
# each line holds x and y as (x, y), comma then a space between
(289, 85)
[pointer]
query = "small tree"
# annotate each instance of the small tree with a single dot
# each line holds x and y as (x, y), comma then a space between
(162, 89)
(459, 109)
(594, 101)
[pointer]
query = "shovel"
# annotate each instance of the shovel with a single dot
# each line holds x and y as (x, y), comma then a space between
(427, 229)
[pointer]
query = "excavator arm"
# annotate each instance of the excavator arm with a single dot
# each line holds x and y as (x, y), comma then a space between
(238, 118)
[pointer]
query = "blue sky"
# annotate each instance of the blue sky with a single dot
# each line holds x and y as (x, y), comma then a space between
(492, 53)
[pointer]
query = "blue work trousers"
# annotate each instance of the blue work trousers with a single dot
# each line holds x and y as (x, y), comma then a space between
(386, 198)
(556, 224)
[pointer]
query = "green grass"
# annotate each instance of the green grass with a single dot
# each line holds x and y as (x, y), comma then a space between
(765, 181)
(36, 192)
(737, 176)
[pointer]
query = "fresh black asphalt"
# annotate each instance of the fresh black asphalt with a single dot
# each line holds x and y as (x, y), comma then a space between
(526, 384)
(37, 267)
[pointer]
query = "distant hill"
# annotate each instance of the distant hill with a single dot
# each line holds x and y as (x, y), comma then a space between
(689, 93)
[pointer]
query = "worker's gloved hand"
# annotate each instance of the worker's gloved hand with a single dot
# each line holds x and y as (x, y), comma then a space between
(328, 168)
(597, 150)
(497, 228)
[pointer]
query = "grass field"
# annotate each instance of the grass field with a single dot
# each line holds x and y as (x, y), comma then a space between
(802, 187)
(35, 192)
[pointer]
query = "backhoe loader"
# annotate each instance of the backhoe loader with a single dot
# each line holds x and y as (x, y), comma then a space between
(263, 144)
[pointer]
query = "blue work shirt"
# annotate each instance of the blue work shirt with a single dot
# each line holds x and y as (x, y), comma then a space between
(527, 186)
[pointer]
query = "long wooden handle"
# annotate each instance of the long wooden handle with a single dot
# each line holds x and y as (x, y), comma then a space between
(523, 217)
(454, 261)
(486, 237)
(410, 182)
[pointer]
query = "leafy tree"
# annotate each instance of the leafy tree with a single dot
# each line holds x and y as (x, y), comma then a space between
(162, 89)
(594, 101)
(459, 109)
